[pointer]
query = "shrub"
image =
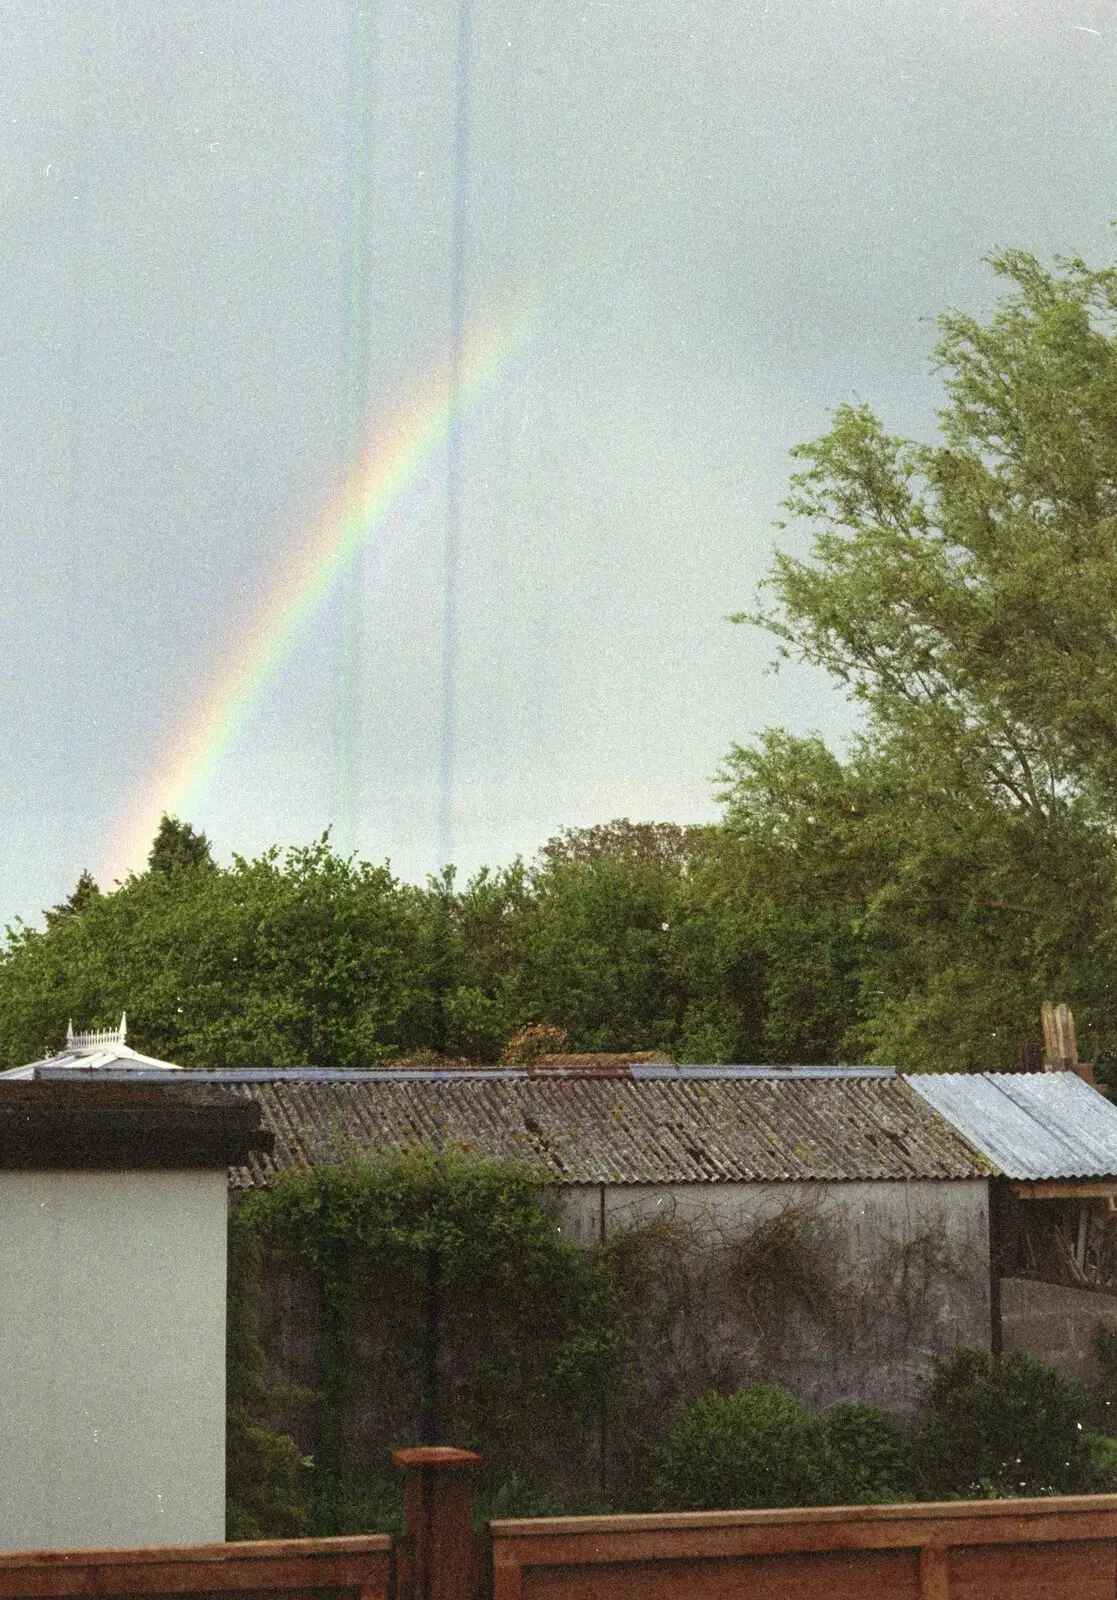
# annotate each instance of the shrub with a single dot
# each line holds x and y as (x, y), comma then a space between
(265, 1481)
(1103, 1395)
(1002, 1425)
(758, 1447)
(870, 1456)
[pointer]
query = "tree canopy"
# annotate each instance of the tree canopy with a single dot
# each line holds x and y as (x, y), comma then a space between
(959, 863)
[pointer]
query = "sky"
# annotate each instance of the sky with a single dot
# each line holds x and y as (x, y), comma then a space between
(232, 240)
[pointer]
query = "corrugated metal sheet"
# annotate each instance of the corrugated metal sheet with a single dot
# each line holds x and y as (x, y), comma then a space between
(1030, 1125)
(623, 1130)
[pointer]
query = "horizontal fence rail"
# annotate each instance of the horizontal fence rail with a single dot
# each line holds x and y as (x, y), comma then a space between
(293, 1569)
(1048, 1549)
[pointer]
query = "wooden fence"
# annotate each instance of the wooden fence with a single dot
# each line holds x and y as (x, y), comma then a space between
(1051, 1549)
(290, 1569)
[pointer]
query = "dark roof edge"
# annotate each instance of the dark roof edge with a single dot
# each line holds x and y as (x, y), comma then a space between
(98, 1126)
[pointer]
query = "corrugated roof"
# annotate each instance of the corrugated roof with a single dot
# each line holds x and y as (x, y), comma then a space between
(1030, 1125)
(584, 1129)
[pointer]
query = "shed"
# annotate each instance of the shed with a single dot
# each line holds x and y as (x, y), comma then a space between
(876, 1205)
(947, 1176)
(1052, 1141)
(112, 1333)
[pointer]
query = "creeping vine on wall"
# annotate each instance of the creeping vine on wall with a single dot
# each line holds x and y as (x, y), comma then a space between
(562, 1364)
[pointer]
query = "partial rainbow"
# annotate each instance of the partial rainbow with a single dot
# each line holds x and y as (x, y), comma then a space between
(388, 466)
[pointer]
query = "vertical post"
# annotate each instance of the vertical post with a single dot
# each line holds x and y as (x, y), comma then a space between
(934, 1573)
(998, 1252)
(436, 1507)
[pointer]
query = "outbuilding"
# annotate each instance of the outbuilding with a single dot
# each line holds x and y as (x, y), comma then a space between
(113, 1202)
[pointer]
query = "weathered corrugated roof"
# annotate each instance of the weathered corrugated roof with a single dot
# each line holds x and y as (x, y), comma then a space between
(585, 1129)
(1030, 1125)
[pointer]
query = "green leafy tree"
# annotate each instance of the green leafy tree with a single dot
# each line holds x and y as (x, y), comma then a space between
(966, 591)
(299, 960)
(177, 847)
(959, 864)
(80, 898)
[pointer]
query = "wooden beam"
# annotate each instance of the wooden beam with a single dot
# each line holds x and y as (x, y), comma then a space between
(1067, 1189)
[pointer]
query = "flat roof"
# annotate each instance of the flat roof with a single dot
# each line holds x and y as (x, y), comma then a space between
(114, 1126)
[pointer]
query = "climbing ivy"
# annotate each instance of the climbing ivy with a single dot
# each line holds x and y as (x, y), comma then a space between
(528, 1337)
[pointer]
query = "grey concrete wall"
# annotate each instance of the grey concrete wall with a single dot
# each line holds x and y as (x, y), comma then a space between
(112, 1358)
(1056, 1323)
(900, 1272)
(838, 1292)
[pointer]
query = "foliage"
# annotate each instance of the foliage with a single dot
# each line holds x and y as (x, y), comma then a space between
(1103, 1394)
(265, 1496)
(870, 1456)
(639, 843)
(301, 960)
(177, 847)
(966, 590)
(83, 894)
(758, 1447)
(914, 901)
(265, 1472)
(1002, 1425)
(527, 1324)
(622, 941)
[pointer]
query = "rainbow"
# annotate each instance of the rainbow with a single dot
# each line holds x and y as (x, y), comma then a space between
(388, 465)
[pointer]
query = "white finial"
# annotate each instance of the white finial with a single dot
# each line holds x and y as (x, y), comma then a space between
(70, 1034)
(123, 1026)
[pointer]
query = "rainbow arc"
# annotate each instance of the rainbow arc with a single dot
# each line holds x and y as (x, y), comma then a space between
(393, 461)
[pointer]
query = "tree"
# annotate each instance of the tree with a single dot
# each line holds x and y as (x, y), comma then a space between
(966, 591)
(960, 862)
(642, 843)
(299, 960)
(81, 896)
(176, 847)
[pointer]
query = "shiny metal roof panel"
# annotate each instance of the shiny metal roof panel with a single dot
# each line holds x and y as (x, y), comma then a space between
(1032, 1126)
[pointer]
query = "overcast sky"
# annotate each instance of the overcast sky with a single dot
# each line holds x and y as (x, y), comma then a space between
(734, 213)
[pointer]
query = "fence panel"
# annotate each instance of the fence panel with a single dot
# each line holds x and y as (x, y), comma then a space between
(282, 1569)
(1057, 1549)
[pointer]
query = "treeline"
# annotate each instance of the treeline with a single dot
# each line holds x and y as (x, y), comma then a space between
(782, 934)
(910, 901)
(623, 937)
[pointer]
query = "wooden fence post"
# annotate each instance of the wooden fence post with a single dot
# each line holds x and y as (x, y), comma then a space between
(436, 1507)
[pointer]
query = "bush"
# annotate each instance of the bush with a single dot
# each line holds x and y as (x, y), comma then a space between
(1103, 1395)
(758, 1447)
(1003, 1425)
(870, 1456)
(266, 1476)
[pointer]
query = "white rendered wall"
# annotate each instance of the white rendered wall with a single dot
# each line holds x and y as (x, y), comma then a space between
(112, 1358)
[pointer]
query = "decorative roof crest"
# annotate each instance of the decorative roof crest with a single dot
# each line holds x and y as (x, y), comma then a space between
(95, 1041)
